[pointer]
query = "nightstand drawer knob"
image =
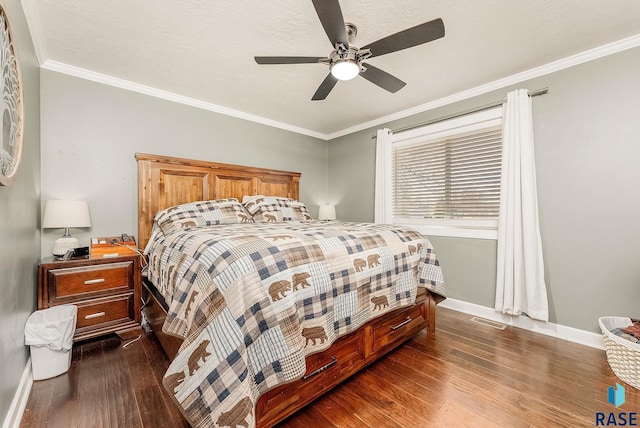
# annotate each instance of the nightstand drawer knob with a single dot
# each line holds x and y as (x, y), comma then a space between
(96, 315)
(94, 281)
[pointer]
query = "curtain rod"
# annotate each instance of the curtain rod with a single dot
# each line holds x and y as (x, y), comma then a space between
(466, 112)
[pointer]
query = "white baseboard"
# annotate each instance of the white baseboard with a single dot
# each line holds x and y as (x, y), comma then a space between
(19, 403)
(571, 334)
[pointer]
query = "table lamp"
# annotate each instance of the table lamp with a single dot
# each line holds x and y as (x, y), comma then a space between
(65, 214)
(327, 212)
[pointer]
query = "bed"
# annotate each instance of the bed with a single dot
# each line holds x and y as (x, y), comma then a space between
(307, 304)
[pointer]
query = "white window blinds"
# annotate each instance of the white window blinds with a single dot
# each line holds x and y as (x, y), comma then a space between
(457, 177)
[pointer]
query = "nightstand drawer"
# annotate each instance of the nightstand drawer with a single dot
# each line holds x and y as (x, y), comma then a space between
(106, 292)
(78, 281)
(106, 310)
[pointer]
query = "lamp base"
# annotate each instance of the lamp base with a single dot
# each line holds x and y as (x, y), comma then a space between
(61, 245)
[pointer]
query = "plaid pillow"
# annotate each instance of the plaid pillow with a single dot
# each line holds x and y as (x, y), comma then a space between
(266, 209)
(202, 213)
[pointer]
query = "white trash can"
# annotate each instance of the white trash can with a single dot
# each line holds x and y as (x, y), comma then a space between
(49, 334)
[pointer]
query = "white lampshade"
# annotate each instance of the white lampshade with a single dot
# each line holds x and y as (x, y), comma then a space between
(65, 214)
(327, 212)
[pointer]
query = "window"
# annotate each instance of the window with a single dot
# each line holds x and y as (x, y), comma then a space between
(445, 177)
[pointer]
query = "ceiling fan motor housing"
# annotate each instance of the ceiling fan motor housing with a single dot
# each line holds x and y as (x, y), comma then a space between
(350, 53)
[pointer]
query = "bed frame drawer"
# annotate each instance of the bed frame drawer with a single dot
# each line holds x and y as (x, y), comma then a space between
(324, 371)
(346, 356)
(394, 329)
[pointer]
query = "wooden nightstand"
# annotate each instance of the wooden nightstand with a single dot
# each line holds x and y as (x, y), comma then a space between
(106, 292)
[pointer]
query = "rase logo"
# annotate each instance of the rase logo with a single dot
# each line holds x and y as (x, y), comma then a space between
(615, 397)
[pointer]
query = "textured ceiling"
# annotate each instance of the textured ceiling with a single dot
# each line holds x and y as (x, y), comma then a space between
(204, 49)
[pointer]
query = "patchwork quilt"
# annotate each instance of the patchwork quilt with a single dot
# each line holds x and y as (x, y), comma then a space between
(252, 300)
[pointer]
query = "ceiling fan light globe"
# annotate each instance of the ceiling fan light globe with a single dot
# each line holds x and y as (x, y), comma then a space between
(345, 70)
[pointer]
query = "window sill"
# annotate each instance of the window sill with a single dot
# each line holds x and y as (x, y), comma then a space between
(454, 231)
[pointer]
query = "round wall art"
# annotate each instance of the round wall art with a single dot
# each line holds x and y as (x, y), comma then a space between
(10, 105)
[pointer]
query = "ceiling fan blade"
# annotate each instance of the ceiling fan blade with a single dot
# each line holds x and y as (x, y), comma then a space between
(331, 18)
(408, 38)
(287, 59)
(325, 87)
(382, 78)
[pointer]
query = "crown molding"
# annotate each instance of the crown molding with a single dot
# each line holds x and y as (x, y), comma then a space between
(171, 96)
(35, 28)
(590, 55)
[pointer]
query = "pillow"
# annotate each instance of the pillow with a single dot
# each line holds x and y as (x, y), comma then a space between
(266, 209)
(202, 213)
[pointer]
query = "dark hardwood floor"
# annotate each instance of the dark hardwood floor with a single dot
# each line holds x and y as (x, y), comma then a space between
(467, 375)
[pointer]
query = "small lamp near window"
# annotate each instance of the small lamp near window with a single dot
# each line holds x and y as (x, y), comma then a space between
(327, 212)
(64, 214)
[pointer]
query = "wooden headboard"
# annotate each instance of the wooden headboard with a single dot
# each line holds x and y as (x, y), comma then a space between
(165, 181)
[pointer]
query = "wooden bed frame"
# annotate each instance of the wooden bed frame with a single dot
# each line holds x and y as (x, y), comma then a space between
(166, 181)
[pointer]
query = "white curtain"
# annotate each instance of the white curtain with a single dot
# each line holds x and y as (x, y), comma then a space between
(382, 196)
(520, 284)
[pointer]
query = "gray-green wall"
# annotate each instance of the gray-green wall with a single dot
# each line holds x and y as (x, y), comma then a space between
(91, 131)
(587, 153)
(19, 222)
(587, 160)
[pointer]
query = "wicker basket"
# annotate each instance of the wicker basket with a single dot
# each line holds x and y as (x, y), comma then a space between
(623, 355)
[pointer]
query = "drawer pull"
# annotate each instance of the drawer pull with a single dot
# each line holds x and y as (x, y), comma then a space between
(94, 281)
(402, 324)
(333, 361)
(96, 315)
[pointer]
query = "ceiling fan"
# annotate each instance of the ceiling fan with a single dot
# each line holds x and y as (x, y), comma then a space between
(347, 61)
